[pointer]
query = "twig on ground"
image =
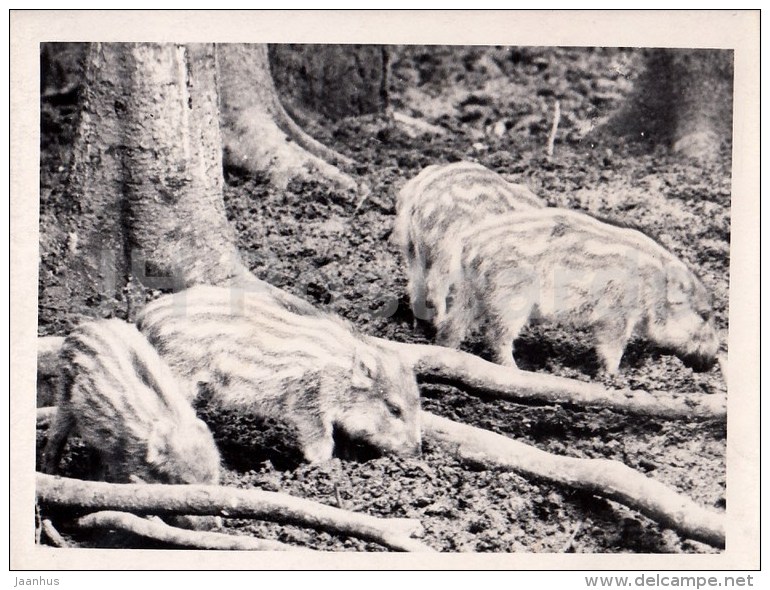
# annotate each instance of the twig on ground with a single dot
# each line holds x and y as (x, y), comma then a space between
(365, 191)
(337, 497)
(53, 535)
(568, 546)
(415, 127)
(722, 359)
(38, 524)
(554, 127)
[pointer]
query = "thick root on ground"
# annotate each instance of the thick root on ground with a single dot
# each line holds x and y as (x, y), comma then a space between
(603, 477)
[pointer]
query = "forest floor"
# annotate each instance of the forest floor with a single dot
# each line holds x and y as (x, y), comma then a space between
(496, 105)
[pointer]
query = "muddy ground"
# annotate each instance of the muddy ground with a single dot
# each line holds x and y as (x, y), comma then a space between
(496, 105)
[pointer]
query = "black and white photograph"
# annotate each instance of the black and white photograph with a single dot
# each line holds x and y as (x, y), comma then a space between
(472, 297)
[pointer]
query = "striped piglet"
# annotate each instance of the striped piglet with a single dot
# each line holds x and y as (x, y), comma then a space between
(311, 370)
(123, 401)
(433, 209)
(570, 268)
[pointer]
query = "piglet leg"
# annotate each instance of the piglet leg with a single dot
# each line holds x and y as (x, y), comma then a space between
(611, 338)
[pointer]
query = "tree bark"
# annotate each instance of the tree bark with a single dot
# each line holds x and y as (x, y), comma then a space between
(98, 262)
(393, 533)
(258, 134)
(683, 99)
(250, 86)
(329, 82)
(333, 81)
(602, 477)
(175, 173)
(146, 179)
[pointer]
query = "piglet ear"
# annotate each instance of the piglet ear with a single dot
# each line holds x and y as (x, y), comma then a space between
(676, 286)
(364, 369)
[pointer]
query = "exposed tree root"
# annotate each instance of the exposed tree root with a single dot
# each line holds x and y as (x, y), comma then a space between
(393, 533)
(157, 530)
(603, 477)
(436, 363)
(258, 134)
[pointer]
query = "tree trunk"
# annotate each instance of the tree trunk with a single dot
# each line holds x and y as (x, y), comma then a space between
(683, 99)
(145, 185)
(309, 78)
(146, 176)
(98, 261)
(258, 134)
